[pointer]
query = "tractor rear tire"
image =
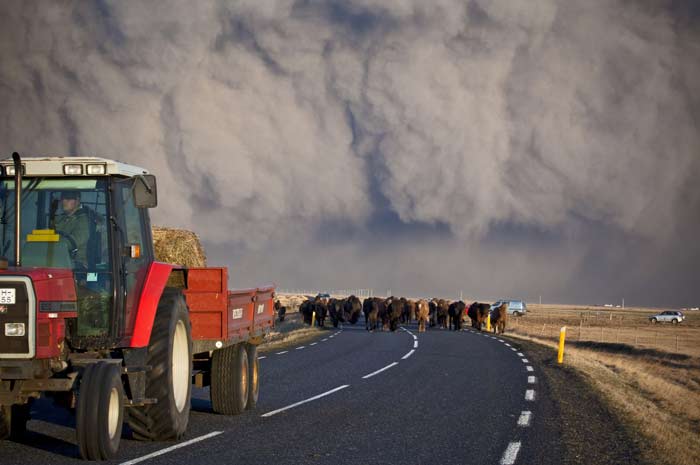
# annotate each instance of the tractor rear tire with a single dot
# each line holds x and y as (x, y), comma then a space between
(13, 421)
(100, 412)
(253, 377)
(170, 379)
(229, 380)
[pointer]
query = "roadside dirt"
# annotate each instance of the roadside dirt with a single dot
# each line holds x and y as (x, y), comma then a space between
(591, 432)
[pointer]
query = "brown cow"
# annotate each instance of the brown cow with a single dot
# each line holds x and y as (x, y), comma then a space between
(443, 308)
(499, 317)
(423, 314)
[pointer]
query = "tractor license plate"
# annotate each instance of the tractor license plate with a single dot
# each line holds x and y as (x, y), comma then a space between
(7, 296)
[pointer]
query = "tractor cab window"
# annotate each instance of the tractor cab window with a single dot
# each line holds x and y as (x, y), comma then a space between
(64, 225)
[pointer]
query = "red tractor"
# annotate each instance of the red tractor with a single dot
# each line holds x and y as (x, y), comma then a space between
(89, 318)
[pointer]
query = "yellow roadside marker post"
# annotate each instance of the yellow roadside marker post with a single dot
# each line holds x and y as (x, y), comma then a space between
(562, 337)
(313, 319)
(488, 323)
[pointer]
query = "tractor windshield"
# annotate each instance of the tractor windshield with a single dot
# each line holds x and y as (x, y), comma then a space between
(63, 225)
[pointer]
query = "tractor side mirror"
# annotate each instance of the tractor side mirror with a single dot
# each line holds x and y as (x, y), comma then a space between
(145, 192)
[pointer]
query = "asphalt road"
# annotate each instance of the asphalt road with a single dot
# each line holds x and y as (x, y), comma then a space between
(441, 397)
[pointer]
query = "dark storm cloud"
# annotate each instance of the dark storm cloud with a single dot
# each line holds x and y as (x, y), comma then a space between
(498, 148)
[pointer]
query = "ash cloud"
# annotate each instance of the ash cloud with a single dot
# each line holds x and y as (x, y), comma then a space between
(499, 148)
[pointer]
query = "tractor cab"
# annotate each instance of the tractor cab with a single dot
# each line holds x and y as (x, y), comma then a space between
(88, 216)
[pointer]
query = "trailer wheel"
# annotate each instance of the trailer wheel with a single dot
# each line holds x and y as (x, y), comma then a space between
(229, 380)
(253, 377)
(100, 412)
(170, 379)
(13, 421)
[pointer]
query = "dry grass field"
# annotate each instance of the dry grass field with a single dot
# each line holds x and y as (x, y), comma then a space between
(649, 373)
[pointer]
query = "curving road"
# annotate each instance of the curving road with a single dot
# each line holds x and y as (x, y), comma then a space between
(351, 397)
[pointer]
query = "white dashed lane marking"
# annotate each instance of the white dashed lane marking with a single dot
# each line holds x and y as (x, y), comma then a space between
(530, 395)
(529, 368)
(524, 419)
(531, 380)
(313, 343)
(300, 347)
(520, 354)
(275, 412)
(172, 448)
(511, 453)
(380, 370)
(415, 344)
(283, 352)
(525, 360)
(262, 357)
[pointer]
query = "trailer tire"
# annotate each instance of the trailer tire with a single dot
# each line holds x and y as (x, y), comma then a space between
(170, 379)
(253, 377)
(13, 421)
(229, 380)
(100, 412)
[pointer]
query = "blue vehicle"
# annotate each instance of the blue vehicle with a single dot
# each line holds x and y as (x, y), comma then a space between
(515, 307)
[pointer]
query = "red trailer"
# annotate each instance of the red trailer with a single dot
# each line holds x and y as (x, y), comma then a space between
(91, 319)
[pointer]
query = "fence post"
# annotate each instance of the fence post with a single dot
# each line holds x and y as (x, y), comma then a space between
(677, 346)
(313, 319)
(562, 338)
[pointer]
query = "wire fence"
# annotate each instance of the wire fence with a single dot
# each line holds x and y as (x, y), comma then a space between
(640, 337)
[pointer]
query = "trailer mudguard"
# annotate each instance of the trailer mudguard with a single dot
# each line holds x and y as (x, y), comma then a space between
(153, 286)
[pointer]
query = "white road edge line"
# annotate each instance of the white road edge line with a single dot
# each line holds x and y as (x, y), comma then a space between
(511, 453)
(172, 448)
(529, 368)
(275, 412)
(524, 419)
(380, 370)
(531, 380)
(407, 355)
(415, 344)
(530, 394)
(281, 353)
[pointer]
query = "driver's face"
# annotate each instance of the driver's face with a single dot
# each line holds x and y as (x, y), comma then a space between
(70, 205)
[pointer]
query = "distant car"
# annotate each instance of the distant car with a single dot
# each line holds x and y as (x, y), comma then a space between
(671, 316)
(515, 307)
(323, 295)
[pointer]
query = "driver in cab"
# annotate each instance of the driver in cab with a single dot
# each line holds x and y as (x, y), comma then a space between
(73, 225)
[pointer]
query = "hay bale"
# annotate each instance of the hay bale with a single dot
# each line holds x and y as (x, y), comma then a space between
(178, 246)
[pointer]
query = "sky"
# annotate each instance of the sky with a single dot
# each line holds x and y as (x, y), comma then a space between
(495, 148)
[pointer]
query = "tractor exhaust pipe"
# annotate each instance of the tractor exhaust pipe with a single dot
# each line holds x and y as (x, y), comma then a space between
(18, 200)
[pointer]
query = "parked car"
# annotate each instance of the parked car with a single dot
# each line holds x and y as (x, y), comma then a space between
(515, 307)
(668, 316)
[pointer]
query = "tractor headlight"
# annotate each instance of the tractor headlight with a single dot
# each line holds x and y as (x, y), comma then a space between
(14, 329)
(72, 169)
(96, 169)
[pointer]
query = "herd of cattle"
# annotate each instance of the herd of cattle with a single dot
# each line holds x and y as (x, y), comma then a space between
(387, 314)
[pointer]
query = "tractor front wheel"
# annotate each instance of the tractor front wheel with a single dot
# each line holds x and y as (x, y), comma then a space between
(100, 411)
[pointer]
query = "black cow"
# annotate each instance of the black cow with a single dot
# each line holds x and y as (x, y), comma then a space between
(477, 313)
(456, 311)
